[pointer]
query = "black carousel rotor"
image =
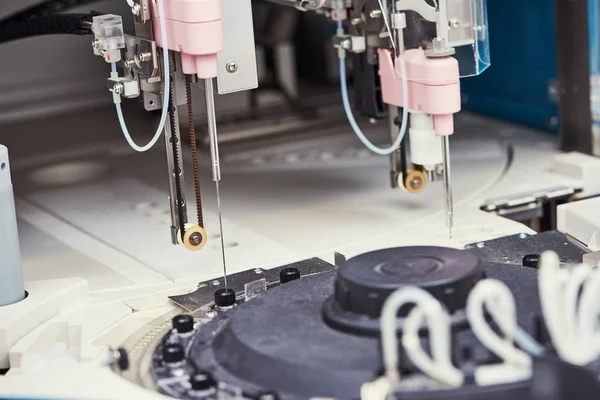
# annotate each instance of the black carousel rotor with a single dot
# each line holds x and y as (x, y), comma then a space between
(319, 336)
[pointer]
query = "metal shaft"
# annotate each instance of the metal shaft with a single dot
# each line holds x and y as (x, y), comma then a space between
(214, 157)
(448, 185)
(212, 129)
(395, 156)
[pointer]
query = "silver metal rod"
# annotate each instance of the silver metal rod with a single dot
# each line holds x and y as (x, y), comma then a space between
(212, 129)
(221, 230)
(448, 185)
(214, 157)
(395, 156)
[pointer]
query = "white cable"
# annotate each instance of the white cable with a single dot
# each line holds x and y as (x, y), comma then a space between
(496, 295)
(167, 90)
(350, 115)
(378, 389)
(550, 284)
(389, 325)
(439, 366)
(589, 311)
(579, 350)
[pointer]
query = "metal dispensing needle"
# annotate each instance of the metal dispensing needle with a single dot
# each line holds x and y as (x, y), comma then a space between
(448, 185)
(214, 157)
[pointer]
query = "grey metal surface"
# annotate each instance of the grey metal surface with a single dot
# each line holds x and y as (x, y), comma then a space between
(512, 249)
(204, 294)
(236, 63)
(136, 49)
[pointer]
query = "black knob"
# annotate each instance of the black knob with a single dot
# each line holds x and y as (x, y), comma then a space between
(289, 274)
(202, 381)
(531, 260)
(123, 361)
(183, 323)
(173, 353)
(225, 297)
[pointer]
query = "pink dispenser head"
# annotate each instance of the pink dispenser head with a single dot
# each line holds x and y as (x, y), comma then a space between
(194, 29)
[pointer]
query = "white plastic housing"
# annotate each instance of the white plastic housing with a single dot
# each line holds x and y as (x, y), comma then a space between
(108, 31)
(12, 289)
(425, 145)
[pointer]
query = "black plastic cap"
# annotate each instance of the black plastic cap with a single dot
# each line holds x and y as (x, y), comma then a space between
(173, 353)
(183, 323)
(531, 260)
(364, 282)
(123, 359)
(202, 381)
(225, 297)
(289, 274)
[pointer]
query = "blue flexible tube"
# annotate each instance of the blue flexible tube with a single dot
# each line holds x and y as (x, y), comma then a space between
(350, 115)
(167, 90)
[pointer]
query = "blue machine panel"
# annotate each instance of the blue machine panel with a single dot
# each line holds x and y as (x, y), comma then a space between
(523, 55)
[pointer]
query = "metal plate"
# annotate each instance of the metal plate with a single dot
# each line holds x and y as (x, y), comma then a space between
(236, 70)
(204, 294)
(512, 249)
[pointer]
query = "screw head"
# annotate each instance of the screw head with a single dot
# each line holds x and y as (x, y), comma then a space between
(416, 183)
(346, 44)
(480, 245)
(523, 235)
(135, 9)
(216, 282)
(258, 271)
(96, 44)
(145, 56)
(195, 238)
(118, 88)
(231, 67)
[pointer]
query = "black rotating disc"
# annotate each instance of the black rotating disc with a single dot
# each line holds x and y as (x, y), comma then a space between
(364, 282)
(279, 343)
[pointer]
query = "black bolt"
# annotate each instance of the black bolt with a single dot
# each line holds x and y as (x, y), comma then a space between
(225, 297)
(173, 353)
(183, 323)
(195, 238)
(202, 381)
(123, 361)
(289, 274)
(531, 260)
